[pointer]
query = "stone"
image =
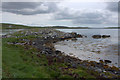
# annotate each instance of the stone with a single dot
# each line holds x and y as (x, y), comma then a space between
(57, 52)
(70, 53)
(101, 61)
(80, 36)
(74, 39)
(100, 36)
(105, 36)
(96, 36)
(74, 65)
(107, 61)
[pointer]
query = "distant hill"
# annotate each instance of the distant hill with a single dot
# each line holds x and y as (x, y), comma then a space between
(66, 27)
(17, 26)
(12, 26)
(112, 28)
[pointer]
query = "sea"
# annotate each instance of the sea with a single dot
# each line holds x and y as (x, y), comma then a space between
(91, 49)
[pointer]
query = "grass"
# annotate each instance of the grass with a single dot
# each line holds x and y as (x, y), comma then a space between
(18, 63)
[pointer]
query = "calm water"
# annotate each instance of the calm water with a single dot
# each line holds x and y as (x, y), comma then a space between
(92, 49)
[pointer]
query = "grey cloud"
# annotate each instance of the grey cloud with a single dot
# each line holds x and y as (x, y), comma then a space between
(65, 14)
(82, 17)
(113, 6)
(59, 13)
(29, 8)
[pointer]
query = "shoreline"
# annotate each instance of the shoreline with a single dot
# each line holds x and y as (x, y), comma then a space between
(84, 51)
(43, 40)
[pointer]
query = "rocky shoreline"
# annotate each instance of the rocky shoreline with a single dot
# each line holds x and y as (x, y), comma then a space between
(43, 42)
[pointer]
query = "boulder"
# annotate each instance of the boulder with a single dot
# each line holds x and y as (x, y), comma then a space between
(74, 65)
(96, 36)
(70, 53)
(80, 36)
(105, 36)
(57, 52)
(74, 33)
(101, 61)
(100, 36)
(107, 61)
(74, 39)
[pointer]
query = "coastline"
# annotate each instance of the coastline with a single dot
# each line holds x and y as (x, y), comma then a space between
(42, 41)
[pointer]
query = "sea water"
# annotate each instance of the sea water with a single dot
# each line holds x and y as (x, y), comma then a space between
(92, 49)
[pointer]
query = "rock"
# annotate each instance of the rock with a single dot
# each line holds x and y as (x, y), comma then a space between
(105, 36)
(101, 61)
(33, 43)
(93, 63)
(96, 36)
(107, 61)
(46, 50)
(99, 70)
(100, 36)
(85, 36)
(74, 33)
(98, 52)
(70, 53)
(115, 68)
(74, 39)
(4, 36)
(80, 36)
(57, 52)
(62, 38)
(103, 75)
(74, 65)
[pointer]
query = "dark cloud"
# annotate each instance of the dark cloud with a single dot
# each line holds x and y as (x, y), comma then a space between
(82, 17)
(29, 8)
(59, 13)
(113, 6)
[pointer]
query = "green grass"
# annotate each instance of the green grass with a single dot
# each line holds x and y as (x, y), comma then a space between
(18, 63)
(14, 26)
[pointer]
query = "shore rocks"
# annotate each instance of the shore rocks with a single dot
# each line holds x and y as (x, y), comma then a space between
(105, 36)
(96, 36)
(107, 61)
(57, 52)
(74, 39)
(74, 65)
(100, 36)
(80, 36)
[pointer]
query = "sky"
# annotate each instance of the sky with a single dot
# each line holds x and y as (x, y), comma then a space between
(71, 13)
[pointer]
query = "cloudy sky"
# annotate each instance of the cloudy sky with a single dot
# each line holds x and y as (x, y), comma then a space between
(64, 13)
